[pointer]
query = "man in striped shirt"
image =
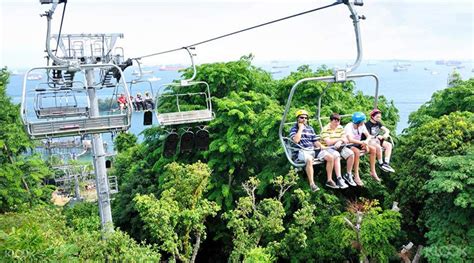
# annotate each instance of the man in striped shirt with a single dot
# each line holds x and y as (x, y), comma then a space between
(333, 136)
(304, 135)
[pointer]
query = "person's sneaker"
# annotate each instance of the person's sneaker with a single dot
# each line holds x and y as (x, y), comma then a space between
(349, 179)
(387, 168)
(332, 184)
(383, 167)
(340, 182)
(314, 188)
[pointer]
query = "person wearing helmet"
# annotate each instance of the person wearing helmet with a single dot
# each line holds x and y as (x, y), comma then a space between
(304, 135)
(354, 132)
(376, 129)
(334, 139)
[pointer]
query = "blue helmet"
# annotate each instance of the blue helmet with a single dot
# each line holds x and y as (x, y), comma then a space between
(358, 117)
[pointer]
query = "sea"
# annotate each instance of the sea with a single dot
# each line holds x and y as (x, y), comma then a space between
(409, 87)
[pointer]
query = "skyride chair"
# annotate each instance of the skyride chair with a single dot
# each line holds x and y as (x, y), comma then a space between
(187, 116)
(340, 76)
(63, 108)
(174, 90)
(139, 84)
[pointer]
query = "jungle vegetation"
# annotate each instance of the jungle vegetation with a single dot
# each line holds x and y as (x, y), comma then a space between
(240, 200)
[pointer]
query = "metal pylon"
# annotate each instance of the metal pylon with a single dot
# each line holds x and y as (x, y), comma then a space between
(102, 184)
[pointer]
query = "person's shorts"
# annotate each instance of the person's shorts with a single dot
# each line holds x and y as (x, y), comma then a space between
(358, 146)
(376, 142)
(345, 152)
(304, 155)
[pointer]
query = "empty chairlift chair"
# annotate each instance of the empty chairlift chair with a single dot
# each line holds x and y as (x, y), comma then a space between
(183, 112)
(67, 111)
(61, 102)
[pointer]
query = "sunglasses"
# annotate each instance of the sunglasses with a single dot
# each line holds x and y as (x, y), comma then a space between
(336, 120)
(303, 118)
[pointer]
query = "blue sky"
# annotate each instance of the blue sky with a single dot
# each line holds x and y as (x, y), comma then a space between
(415, 30)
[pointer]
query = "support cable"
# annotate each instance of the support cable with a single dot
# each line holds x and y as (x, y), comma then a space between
(240, 31)
(60, 28)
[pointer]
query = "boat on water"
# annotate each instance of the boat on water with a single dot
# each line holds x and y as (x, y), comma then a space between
(34, 77)
(399, 68)
(144, 72)
(282, 66)
(275, 72)
(171, 67)
(448, 62)
(427, 68)
(152, 79)
(434, 72)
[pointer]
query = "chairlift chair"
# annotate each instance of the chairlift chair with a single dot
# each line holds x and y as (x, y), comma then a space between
(60, 103)
(140, 83)
(59, 121)
(173, 90)
(340, 76)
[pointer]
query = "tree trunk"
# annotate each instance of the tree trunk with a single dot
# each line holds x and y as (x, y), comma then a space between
(196, 247)
(417, 256)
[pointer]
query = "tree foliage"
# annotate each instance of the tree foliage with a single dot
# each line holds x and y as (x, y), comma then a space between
(177, 218)
(21, 175)
(434, 182)
(248, 105)
(42, 234)
(450, 209)
(459, 97)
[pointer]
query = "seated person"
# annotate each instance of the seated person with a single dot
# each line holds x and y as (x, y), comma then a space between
(133, 102)
(303, 135)
(139, 102)
(354, 131)
(334, 138)
(122, 102)
(375, 127)
(149, 101)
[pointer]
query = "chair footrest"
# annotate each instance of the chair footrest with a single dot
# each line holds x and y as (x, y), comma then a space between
(60, 128)
(183, 117)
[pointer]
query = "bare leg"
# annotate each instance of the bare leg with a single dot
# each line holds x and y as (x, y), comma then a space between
(310, 171)
(379, 153)
(356, 162)
(350, 164)
(329, 166)
(373, 152)
(388, 150)
(337, 166)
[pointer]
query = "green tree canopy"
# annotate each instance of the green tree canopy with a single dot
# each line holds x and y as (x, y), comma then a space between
(21, 176)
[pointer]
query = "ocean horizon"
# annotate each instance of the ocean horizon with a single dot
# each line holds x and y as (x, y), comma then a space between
(409, 88)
